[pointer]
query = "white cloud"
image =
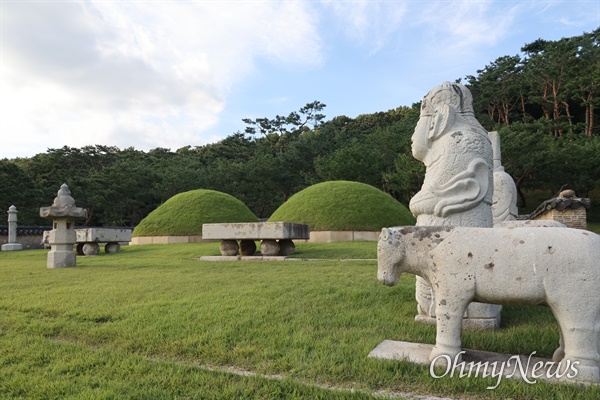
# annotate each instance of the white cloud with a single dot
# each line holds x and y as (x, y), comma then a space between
(143, 74)
(164, 73)
(463, 27)
(369, 23)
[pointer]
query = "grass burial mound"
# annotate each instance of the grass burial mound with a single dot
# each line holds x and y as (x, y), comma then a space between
(184, 214)
(343, 206)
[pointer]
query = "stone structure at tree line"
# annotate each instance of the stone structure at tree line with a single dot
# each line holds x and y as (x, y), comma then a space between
(62, 237)
(12, 244)
(565, 208)
(458, 185)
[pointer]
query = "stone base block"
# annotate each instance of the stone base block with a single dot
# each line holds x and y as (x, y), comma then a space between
(112, 247)
(247, 247)
(256, 231)
(91, 249)
(12, 247)
(103, 235)
(489, 362)
(478, 317)
(61, 259)
(243, 258)
(269, 247)
(229, 248)
(469, 324)
(286, 247)
(343, 236)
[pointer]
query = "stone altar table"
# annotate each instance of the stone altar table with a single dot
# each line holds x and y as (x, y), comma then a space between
(89, 240)
(276, 237)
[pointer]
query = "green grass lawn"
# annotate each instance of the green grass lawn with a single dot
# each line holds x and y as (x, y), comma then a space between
(155, 322)
(594, 227)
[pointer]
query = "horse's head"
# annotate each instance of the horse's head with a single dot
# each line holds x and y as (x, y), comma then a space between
(390, 254)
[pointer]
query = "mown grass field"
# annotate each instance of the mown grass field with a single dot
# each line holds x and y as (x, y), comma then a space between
(594, 227)
(155, 322)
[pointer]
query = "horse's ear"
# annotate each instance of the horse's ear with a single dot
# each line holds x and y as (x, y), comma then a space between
(385, 233)
(443, 118)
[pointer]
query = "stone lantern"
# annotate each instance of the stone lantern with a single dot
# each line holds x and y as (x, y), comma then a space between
(62, 237)
(12, 244)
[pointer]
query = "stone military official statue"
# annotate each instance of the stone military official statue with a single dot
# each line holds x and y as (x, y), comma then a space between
(458, 186)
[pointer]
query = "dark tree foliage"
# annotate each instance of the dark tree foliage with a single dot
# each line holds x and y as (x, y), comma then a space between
(544, 102)
(558, 81)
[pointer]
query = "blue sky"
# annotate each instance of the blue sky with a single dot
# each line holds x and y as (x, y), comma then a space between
(168, 73)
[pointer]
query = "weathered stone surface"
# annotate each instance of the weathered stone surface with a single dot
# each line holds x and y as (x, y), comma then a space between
(113, 247)
(530, 223)
(256, 231)
(12, 244)
(103, 235)
(61, 258)
(286, 247)
(457, 154)
(269, 247)
(342, 236)
(557, 267)
(91, 249)
(62, 237)
(229, 248)
(458, 185)
(95, 236)
(268, 232)
(247, 247)
(63, 206)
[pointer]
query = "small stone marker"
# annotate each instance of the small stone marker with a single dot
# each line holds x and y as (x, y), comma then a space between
(12, 244)
(62, 237)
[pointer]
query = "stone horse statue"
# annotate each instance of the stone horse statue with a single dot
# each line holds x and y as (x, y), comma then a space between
(555, 267)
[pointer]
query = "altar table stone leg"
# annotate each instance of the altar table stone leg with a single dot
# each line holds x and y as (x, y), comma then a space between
(229, 248)
(286, 247)
(112, 247)
(269, 247)
(91, 249)
(247, 247)
(80, 249)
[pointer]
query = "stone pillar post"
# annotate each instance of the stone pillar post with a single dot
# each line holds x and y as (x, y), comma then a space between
(62, 237)
(12, 244)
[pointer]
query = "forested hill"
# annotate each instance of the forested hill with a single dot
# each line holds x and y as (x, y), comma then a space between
(544, 101)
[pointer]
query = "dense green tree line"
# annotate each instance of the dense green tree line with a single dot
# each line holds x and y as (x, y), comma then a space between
(556, 81)
(544, 103)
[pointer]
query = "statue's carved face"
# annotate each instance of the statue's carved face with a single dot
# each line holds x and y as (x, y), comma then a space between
(420, 137)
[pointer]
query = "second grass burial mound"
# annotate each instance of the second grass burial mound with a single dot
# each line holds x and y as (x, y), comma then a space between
(343, 206)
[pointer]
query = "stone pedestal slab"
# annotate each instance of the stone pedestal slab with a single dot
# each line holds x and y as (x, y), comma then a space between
(276, 237)
(488, 362)
(12, 247)
(256, 231)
